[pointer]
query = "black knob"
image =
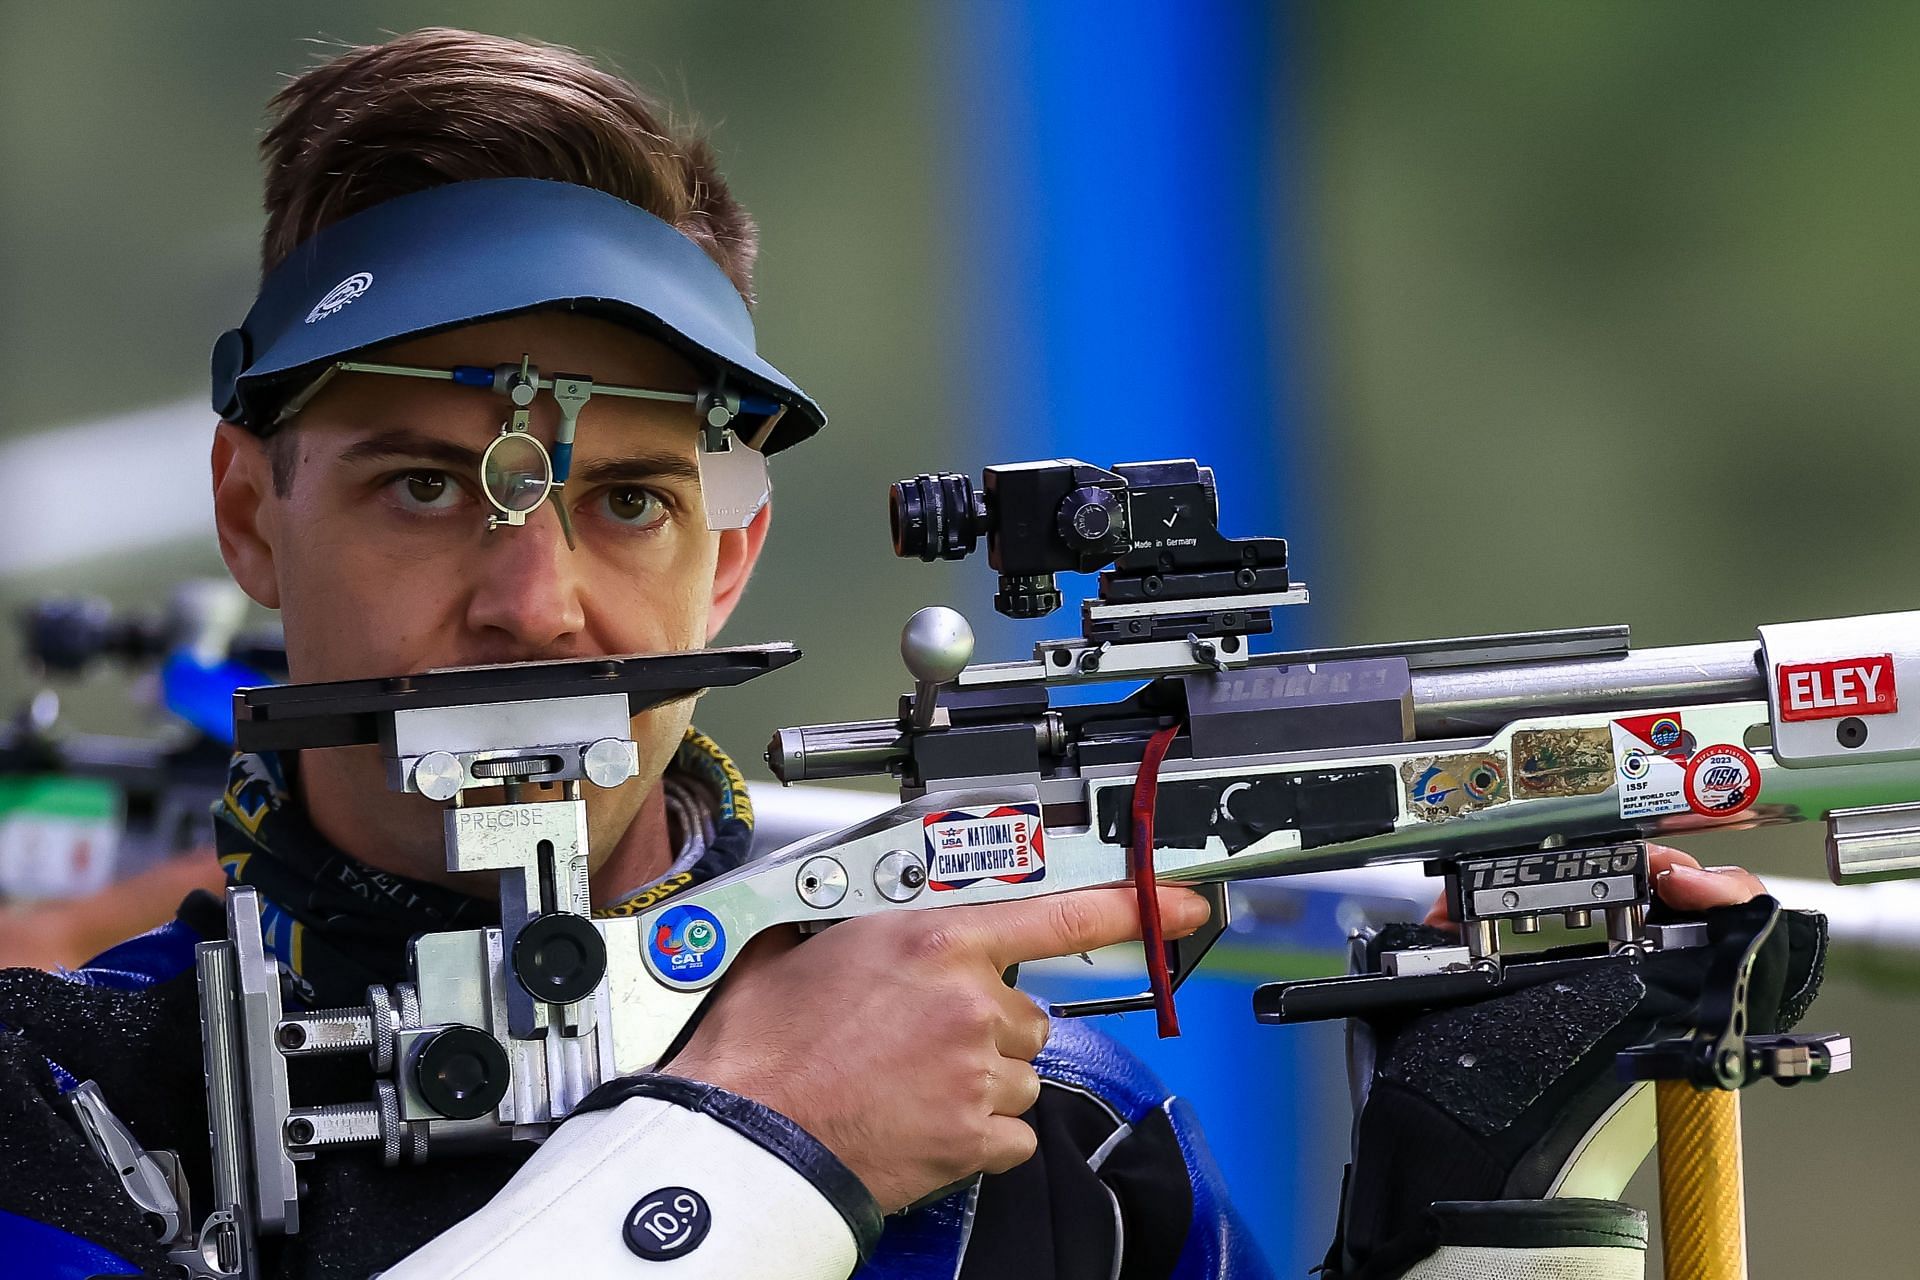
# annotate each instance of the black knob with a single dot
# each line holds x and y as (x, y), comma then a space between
(462, 1073)
(1093, 521)
(559, 957)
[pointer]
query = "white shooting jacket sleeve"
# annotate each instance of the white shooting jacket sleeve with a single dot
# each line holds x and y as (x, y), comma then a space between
(670, 1178)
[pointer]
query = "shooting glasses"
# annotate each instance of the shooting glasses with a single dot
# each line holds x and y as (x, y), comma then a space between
(518, 473)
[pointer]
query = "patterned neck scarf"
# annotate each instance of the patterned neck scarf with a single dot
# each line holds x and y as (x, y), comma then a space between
(337, 925)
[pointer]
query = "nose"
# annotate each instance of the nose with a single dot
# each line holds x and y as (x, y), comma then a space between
(528, 596)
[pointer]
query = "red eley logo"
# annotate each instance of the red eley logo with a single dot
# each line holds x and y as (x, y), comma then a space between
(1842, 687)
(1722, 780)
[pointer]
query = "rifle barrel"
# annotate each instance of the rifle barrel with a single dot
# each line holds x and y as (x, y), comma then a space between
(1451, 702)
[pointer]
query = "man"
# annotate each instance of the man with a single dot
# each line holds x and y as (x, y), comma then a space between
(471, 217)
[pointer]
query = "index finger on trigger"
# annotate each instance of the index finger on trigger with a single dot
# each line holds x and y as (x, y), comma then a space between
(1061, 924)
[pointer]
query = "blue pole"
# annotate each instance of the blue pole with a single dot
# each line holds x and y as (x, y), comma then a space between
(1121, 213)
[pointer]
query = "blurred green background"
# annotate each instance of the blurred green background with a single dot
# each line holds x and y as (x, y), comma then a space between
(1608, 315)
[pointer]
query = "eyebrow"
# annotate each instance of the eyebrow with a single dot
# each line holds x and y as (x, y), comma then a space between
(414, 446)
(636, 468)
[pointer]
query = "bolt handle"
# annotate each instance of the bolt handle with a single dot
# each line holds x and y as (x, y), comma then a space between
(936, 645)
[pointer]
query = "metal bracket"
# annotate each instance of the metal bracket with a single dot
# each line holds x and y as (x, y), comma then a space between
(141, 1175)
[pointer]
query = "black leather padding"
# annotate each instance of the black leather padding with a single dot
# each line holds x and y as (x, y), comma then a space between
(1572, 1223)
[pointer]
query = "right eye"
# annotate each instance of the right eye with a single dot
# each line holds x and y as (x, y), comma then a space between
(426, 490)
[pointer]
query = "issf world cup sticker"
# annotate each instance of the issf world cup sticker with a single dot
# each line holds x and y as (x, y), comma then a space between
(966, 846)
(1650, 755)
(686, 943)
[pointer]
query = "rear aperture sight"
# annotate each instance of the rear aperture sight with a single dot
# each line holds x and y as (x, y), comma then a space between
(936, 517)
(1152, 526)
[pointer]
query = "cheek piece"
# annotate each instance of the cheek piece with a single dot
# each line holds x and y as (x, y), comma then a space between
(466, 252)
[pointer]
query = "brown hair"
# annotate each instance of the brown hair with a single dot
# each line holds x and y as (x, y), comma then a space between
(439, 105)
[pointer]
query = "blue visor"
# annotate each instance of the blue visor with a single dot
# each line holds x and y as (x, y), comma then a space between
(471, 251)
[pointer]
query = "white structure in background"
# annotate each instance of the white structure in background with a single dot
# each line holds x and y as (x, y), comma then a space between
(118, 485)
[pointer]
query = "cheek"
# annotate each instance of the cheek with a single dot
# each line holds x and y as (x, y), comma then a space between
(660, 608)
(658, 732)
(352, 608)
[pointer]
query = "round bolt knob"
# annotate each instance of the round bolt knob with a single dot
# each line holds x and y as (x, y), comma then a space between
(936, 644)
(559, 958)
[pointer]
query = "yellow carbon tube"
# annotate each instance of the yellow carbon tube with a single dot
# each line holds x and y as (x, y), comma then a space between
(1703, 1214)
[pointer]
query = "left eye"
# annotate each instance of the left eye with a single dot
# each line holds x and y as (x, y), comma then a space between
(426, 490)
(634, 506)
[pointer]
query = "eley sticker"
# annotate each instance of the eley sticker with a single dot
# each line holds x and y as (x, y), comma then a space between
(966, 846)
(1722, 780)
(1650, 764)
(1843, 687)
(686, 944)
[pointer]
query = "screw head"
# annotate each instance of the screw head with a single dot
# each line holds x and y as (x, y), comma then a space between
(899, 876)
(608, 762)
(438, 775)
(821, 882)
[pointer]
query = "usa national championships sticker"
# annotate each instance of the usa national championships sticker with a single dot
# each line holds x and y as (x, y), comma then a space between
(1722, 780)
(686, 944)
(966, 846)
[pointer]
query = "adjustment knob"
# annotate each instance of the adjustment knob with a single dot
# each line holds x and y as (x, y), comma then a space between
(559, 957)
(461, 1072)
(1093, 521)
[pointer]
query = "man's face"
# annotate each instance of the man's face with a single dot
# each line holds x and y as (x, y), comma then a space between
(379, 558)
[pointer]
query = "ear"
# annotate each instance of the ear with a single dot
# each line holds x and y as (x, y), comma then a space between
(739, 552)
(242, 492)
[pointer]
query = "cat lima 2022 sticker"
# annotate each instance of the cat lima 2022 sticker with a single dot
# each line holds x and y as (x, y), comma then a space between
(1722, 780)
(687, 943)
(966, 846)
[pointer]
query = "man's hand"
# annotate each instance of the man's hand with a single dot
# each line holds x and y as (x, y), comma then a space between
(1678, 880)
(893, 1039)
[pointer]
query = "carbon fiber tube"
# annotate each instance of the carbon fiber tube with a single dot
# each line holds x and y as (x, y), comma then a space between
(1703, 1216)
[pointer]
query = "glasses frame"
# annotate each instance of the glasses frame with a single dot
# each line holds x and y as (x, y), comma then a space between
(733, 475)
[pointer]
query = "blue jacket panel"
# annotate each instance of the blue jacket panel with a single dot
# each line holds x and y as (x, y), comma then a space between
(35, 1251)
